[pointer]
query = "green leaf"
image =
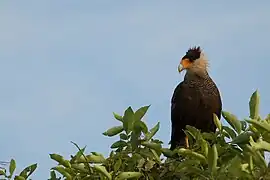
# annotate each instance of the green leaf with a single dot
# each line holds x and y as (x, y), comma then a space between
(238, 169)
(233, 121)
(258, 158)
(194, 132)
(19, 178)
(139, 126)
(234, 165)
(128, 120)
(118, 144)
(254, 105)
(260, 145)
(191, 171)
(167, 152)
(244, 125)
(53, 176)
(212, 159)
(149, 165)
(217, 122)
(205, 147)
(128, 175)
(103, 170)
(78, 155)
(95, 158)
(266, 137)
(242, 138)
(157, 141)
(80, 167)
(140, 113)
(207, 136)
(141, 163)
(123, 136)
(63, 171)
(156, 155)
(97, 154)
(12, 167)
(251, 163)
(60, 160)
(118, 117)
(226, 134)
(187, 163)
(143, 127)
(2, 173)
(191, 153)
(117, 165)
(113, 131)
(261, 124)
(267, 118)
(57, 157)
(146, 153)
(151, 145)
(152, 132)
(28, 170)
(253, 129)
(135, 139)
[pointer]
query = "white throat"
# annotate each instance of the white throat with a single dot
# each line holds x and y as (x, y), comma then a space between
(199, 67)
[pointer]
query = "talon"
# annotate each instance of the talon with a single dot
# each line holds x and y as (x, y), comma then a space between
(187, 144)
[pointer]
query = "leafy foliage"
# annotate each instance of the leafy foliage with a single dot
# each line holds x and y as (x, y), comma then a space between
(233, 152)
(25, 174)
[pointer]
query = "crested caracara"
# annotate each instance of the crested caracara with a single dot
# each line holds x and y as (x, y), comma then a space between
(195, 99)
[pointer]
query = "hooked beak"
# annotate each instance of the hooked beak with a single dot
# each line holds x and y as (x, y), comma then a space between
(180, 68)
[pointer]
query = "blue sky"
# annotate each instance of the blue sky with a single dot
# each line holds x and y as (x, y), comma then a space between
(65, 66)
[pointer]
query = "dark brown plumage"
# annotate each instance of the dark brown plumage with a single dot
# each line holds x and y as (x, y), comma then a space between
(195, 99)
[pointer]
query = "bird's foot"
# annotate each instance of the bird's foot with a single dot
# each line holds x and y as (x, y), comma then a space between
(187, 144)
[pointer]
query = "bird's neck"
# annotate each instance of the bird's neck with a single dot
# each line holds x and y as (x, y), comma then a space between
(196, 74)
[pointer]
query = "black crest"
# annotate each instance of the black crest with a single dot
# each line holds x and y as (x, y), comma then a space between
(193, 53)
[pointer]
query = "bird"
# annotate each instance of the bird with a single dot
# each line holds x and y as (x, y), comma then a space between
(195, 99)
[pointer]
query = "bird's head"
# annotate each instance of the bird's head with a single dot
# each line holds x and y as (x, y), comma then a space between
(194, 61)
